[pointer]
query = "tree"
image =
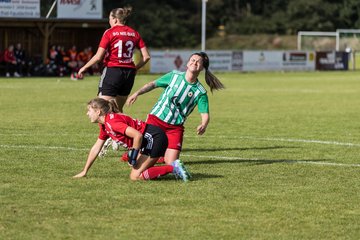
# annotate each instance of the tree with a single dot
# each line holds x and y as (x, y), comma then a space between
(315, 15)
(177, 23)
(349, 14)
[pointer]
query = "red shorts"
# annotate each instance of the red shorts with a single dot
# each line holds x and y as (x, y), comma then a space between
(174, 133)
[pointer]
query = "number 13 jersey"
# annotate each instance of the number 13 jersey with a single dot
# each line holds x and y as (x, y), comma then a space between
(120, 43)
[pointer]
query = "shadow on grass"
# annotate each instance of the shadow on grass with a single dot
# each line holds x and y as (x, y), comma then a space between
(199, 176)
(232, 149)
(194, 177)
(252, 162)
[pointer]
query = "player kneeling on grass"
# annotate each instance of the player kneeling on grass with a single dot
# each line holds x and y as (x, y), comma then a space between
(145, 142)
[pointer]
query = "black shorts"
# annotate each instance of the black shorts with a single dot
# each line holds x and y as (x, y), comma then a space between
(154, 142)
(116, 81)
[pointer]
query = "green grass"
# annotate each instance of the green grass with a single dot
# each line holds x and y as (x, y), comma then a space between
(280, 160)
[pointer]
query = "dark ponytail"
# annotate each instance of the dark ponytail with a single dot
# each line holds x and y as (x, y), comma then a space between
(211, 80)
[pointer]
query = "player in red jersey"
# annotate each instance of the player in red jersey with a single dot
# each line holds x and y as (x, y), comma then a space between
(145, 142)
(116, 49)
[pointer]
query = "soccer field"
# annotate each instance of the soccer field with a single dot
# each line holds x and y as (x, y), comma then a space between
(280, 160)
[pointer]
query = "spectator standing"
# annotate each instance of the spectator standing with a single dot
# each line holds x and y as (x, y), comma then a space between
(52, 55)
(73, 61)
(59, 60)
(10, 62)
(20, 56)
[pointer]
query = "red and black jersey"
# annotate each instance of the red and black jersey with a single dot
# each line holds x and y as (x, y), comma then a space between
(115, 126)
(120, 43)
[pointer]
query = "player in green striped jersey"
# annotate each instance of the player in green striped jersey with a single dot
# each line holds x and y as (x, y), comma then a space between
(179, 98)
(183, 92)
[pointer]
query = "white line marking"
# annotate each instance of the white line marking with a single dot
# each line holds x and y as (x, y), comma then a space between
(305, 141)
(194, 156)
(223, 137)
(46, 134)
(329, 163)
(274, 160)
(44, 147)
(284, 140)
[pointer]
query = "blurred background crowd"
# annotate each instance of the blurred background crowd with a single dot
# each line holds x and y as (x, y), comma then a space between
(60, 61)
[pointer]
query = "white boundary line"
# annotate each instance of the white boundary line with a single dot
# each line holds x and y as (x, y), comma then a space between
(305, 141)
(44, 147)
(285, 140)
(195, 156)
(229, 137)
(48, 134)
(274, 160)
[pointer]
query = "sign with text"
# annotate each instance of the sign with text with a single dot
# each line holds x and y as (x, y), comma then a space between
(166, 61)
(20, 8)
(278, 61)
(226, 61)
(262, 60)
(332, 60)
(80, 9)
(298, 61)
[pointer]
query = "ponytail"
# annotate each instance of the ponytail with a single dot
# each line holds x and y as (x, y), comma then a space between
(104, 106)
(113, 106)
(211, 80)
(121, 13)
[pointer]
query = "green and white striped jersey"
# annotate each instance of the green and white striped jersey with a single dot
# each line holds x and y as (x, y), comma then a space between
(179, 98)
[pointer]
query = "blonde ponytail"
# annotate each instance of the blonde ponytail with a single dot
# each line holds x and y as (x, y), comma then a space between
(121, 13)
(113, 106)
(104, 106)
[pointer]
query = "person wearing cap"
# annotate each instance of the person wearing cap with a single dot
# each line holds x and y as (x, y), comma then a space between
(182, 93)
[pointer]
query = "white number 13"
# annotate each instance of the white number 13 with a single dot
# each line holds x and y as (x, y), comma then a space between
(129, 45)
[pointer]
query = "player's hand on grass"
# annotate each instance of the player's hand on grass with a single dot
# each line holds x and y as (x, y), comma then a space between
(80, 175)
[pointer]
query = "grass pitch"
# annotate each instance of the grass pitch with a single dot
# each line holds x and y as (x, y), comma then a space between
(280, 160)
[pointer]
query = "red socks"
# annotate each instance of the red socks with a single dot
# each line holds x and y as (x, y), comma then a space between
(157, 171)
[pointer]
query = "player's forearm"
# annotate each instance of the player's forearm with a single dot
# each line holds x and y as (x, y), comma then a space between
(92, 61)
(142, 62)
(146, 88)
(94, 151)
(204, 122)
(96, 58)
(205, 119)
(145, 58)
(90, 160)
(139, 65)
(137, 141)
